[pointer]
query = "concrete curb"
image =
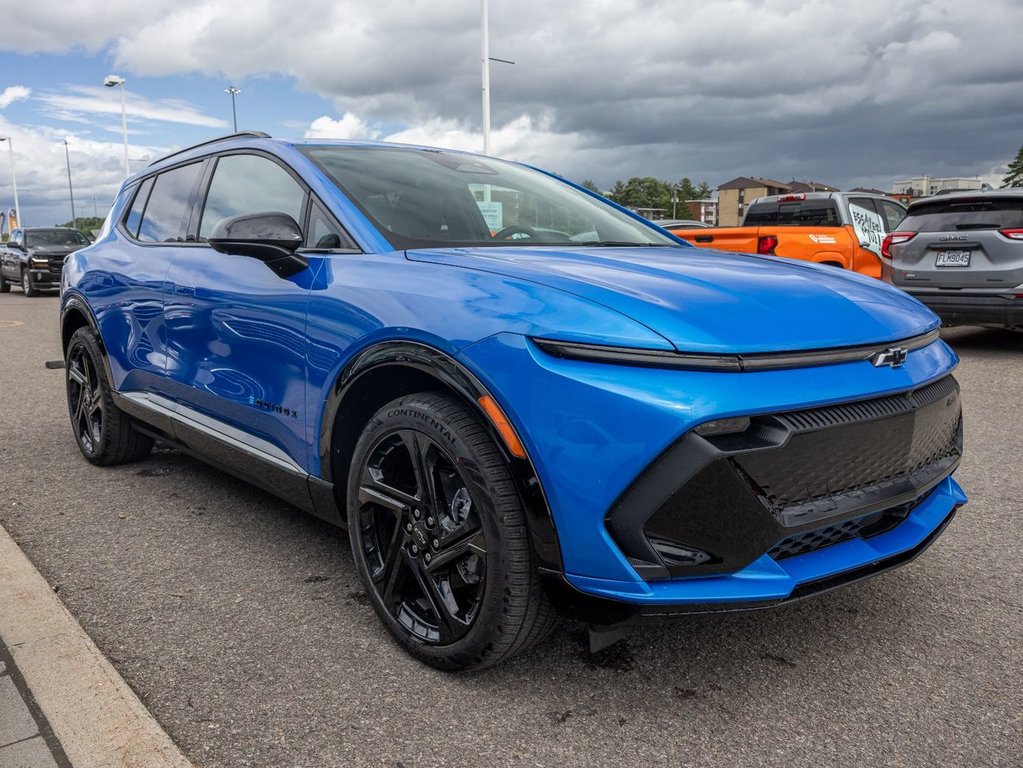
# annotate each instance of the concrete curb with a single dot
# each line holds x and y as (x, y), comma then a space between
(97, 718)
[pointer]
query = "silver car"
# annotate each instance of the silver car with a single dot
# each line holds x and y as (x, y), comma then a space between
(962, 256)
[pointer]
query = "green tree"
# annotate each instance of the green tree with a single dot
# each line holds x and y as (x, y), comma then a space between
(86, 224)
(642, 192)
(592, 186)
(703, 191)
(1014, 178)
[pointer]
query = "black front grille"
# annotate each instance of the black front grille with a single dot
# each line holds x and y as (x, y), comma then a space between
(791, 483)
(839, 457)
(862, 527)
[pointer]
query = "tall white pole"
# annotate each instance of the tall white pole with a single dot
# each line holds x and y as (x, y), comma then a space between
(485, 24)
(124, 128)
(14, 182)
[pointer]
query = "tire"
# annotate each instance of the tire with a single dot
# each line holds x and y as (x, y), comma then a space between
(449, 569)
(104, 433)
(27, 286)
(5, 287)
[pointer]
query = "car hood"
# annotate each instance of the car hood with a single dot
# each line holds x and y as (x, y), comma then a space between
(53, 250)
(712, 301)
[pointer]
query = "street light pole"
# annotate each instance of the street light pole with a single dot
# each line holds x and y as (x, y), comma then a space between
(70, 189)
(110, 82)
(234, 112)
(14, 179)
(485, 56)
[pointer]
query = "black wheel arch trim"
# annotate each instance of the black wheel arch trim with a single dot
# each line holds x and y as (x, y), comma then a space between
(77, 303)
(460, 380)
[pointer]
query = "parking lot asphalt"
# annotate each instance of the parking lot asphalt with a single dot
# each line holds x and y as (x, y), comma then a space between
(240, 623)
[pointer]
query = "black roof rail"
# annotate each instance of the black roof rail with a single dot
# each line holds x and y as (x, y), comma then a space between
(239, 134)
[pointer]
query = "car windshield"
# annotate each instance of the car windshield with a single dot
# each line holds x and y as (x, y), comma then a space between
(55, 237)
(422, 198)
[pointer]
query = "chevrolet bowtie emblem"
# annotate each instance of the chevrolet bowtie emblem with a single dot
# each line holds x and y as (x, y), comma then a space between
(893, 356)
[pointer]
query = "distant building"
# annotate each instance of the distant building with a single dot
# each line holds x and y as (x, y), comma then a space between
(925, 186)
(735, 195)
(704, 210)
(650, 214)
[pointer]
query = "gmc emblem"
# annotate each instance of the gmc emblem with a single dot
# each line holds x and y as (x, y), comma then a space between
(952, 237)
(893, 356)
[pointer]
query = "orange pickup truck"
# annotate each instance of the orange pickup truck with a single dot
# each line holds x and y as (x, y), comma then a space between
(843, 229)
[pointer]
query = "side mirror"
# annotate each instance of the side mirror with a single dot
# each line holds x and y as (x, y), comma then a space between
(271, 237)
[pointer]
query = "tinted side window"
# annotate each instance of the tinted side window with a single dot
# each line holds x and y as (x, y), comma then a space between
(323, 233)
(167, 211)
(892, 213)
(249, 184)
(809, 213)
(134, 217)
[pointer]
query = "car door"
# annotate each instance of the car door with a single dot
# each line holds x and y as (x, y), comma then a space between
(125, 282)
(236, 362)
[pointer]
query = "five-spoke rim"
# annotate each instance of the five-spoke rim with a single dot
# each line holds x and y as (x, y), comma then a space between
(422, 535)
(84, 399)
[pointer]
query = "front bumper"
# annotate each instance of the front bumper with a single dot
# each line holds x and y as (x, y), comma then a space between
(44, 278)
(765, 582)
(966, 309)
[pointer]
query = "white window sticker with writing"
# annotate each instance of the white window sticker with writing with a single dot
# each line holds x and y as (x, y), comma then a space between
(868, 226)
(493, 214)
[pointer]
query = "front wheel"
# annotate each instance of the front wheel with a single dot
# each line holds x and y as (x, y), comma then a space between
(439, 536)
(104, 433)
(27, 286)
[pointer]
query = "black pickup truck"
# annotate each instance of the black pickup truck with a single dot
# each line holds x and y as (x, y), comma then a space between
(34, 256)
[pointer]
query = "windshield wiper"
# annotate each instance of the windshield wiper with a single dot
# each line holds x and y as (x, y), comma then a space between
(620, 244)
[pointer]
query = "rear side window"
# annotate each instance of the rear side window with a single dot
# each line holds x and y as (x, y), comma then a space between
(804, 213)
(960, 215)
(167, 211)
(134, 217)
(250, 184)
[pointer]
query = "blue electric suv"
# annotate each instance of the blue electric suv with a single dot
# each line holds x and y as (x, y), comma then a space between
(520, 399)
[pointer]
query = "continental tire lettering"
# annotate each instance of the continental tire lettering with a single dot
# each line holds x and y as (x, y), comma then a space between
(414, 414)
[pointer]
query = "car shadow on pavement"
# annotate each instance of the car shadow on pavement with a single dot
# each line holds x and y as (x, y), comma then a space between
(983, 339)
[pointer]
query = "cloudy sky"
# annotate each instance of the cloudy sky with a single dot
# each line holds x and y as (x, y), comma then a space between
(845, 93)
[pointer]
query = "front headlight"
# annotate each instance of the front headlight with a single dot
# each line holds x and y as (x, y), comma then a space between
(736, 362)
(39, 263)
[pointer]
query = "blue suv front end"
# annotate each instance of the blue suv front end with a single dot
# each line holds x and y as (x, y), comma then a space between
(656, 518)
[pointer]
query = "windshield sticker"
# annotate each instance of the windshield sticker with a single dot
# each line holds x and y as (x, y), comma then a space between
(493, 214)
(868, 226)
(825, 239)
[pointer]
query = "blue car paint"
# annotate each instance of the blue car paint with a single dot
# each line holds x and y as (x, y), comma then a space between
(219, 332)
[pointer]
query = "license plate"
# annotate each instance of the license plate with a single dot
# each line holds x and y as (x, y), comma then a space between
(952, 259)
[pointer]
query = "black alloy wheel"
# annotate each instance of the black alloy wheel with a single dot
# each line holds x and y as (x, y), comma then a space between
(84, 400)
(422, 537)
(439, 536)
(104, 433)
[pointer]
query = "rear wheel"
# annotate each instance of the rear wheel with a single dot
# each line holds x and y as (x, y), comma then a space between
(439, 536)
(5, 286)
(104, 433)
